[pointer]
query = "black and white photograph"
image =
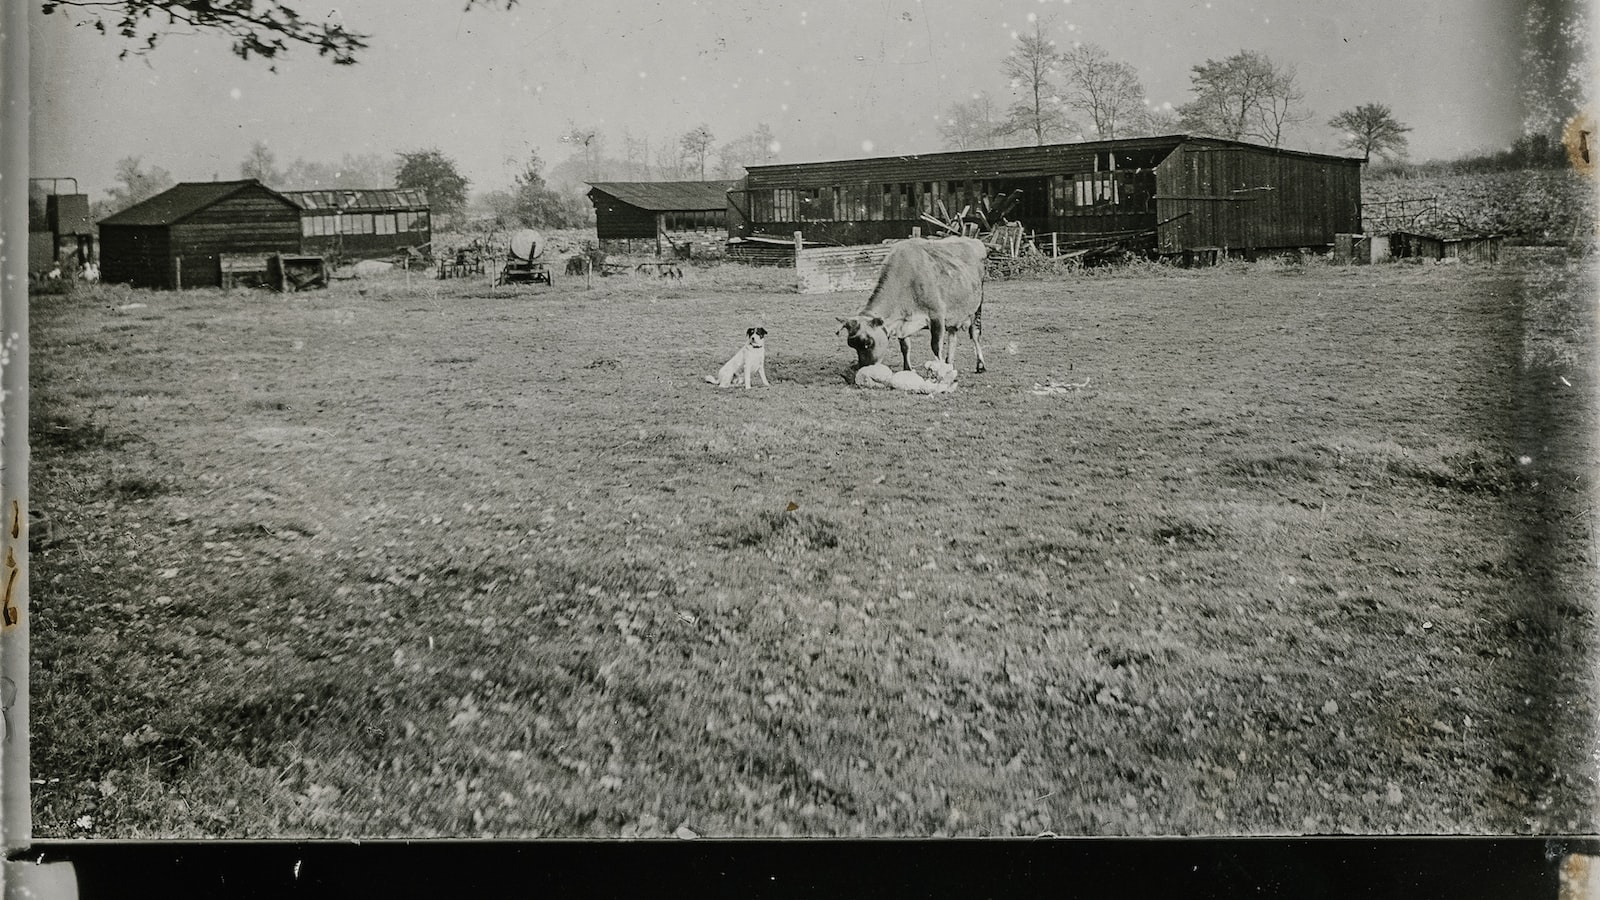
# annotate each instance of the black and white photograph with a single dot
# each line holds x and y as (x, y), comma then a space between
(531, 419)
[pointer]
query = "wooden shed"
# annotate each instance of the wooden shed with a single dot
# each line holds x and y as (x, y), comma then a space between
(626, 210)
(180, 237)
(1170, 194)
(362, 224)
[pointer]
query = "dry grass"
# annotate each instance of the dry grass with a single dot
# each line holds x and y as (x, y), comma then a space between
(442, 559)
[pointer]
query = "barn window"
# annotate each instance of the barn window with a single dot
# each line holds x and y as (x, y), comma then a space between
(816, 204)
(385, 223)
(783, 205)
(1096, 189)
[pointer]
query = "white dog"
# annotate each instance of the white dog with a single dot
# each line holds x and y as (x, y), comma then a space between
(752, 357)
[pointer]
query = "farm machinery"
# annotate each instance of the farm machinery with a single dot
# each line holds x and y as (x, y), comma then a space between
(524, 260)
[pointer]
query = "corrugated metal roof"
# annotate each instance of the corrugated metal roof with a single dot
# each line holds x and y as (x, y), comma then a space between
(180, 200)
(668, 196)
(360, 200)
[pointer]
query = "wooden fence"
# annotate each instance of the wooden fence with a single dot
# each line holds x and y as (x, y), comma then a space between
(829, 270)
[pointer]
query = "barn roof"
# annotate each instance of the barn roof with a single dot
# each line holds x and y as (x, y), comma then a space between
(1003, 157)
(181, 200)
(360, 200)
(668, 196)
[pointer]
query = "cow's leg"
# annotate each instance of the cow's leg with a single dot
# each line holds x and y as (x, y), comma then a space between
(905, 354)
(977, 326)
(938, 339)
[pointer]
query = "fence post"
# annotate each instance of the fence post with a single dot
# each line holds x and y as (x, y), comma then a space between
(177, 272)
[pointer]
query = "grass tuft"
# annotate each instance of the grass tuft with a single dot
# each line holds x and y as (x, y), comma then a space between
(796, 531)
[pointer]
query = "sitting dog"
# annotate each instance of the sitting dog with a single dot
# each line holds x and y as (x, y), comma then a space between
(752, 357)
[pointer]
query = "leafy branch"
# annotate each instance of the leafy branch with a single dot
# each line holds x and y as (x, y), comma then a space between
(262, 29)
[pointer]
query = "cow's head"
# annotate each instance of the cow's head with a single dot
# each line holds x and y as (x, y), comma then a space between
(866, 336)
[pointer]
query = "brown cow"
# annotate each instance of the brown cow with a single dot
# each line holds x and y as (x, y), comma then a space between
(937, 285)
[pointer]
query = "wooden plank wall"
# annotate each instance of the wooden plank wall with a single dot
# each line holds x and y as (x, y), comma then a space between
(762, 254)
(1247, 199)
(248, 222)
(136, 255)
(829, 270)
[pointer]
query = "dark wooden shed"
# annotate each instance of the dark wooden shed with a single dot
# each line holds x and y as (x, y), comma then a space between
(178, 237)
(1170, 194)
(362, 224)
(645, 209)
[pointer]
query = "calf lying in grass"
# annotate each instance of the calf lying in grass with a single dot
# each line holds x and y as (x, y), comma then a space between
(940, 378)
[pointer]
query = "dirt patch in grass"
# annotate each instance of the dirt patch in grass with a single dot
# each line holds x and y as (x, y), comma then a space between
(1309, 552)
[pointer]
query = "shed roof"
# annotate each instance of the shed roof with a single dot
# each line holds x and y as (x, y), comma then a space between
(181, 200)
(667, 196)
(360, 200)
(1006, 158)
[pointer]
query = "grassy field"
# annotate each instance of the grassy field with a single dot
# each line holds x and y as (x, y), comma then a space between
(1309, 549)
(1532, 206)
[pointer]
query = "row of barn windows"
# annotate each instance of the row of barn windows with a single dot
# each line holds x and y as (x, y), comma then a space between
(695, 220)
(1090, 193)
(364, 223)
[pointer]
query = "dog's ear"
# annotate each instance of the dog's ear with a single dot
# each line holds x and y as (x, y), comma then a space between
(761, 331)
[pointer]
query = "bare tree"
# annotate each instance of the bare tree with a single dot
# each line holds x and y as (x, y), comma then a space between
(1032, 66)
(1281, 108)
(261, 165)
(1153, 121)
(1371, 129)
(257, 28)
(1104, 89)
(635, 156)
(135, 184)
(753, 149)
(670, 163)
(970, 124)
(696, 144)
(590, 143)
(1243, 96)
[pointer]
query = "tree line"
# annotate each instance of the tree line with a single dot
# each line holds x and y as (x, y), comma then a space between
(1081, 92)
(1058, 94)
(537, 196)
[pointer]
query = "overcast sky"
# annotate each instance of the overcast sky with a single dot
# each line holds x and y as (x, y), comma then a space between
(832, 78)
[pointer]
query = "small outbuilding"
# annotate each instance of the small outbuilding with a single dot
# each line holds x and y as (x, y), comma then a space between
(677, 212)
(362, 224)
(184, 236)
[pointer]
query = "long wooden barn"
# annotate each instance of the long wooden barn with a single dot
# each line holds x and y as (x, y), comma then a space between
(362, 224)
(629, 210)
(1169, 194)
(178, 238)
